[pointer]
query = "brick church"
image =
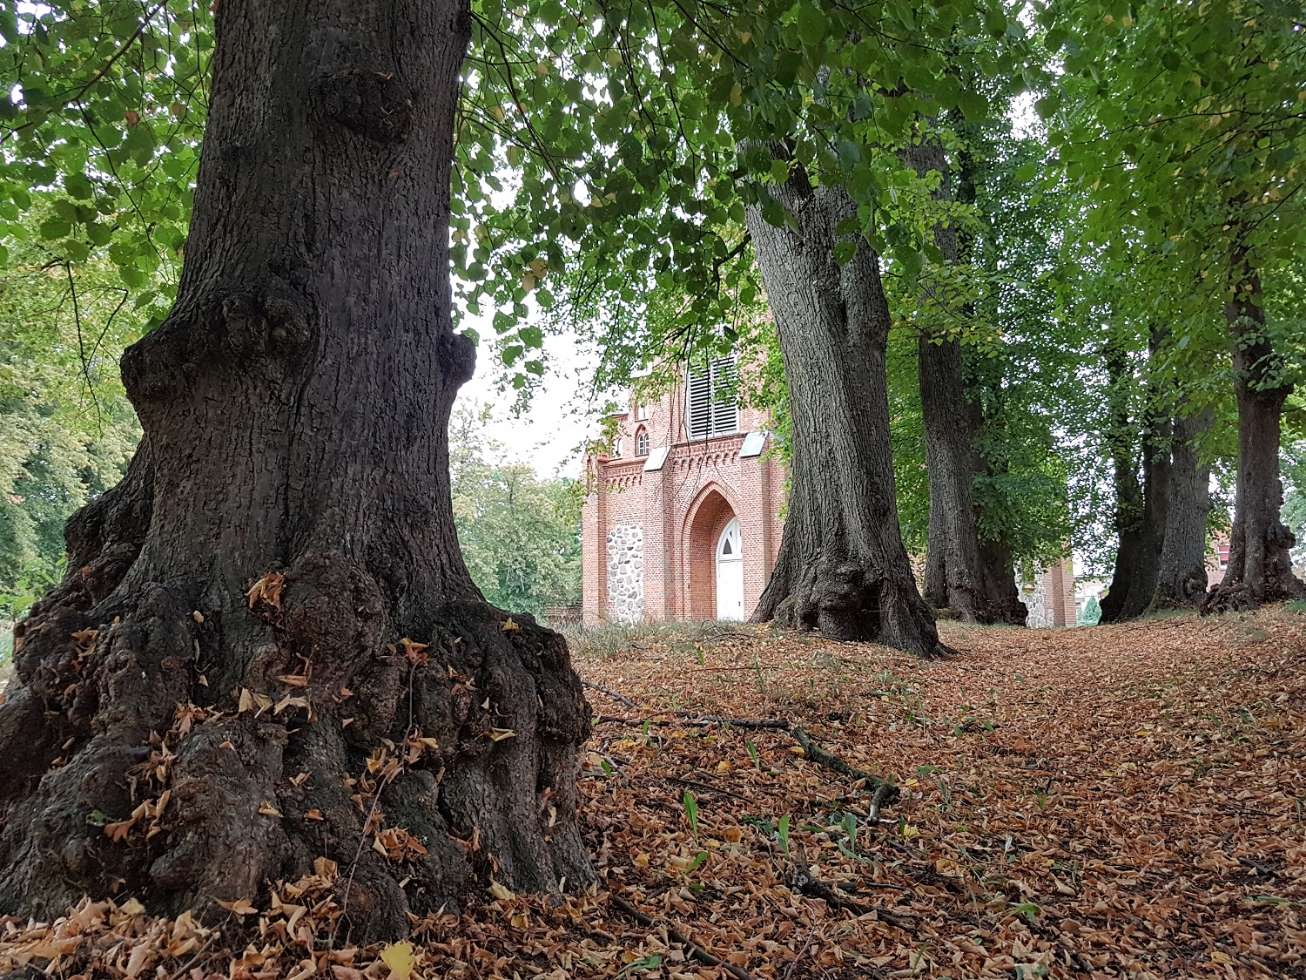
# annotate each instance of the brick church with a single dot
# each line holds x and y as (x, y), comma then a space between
(683, 516)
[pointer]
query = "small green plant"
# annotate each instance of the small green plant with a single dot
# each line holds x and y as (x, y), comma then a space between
(690, 803)
(945, 794)
(849, 844)
(651, 962)
(753, 754)
(1027, 909)
(782, 833)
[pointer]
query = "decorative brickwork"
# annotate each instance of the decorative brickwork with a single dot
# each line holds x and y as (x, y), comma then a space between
(626, 572)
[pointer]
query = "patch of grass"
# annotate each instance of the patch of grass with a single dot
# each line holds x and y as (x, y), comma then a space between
(1297, 606)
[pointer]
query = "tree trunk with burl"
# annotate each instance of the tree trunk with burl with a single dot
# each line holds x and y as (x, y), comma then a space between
(1260, 562)
(267, 650)
(842, 567)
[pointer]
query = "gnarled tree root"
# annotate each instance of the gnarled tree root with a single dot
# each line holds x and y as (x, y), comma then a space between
(191, 754)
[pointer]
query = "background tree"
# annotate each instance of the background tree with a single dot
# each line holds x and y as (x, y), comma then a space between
(66, 428)
(519, 533)
(1198, 147)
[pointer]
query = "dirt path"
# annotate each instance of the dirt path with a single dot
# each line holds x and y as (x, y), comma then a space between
(1115, 802)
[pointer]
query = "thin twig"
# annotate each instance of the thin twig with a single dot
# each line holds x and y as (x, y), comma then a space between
(693, 948)
(615, 695)
(706, 787)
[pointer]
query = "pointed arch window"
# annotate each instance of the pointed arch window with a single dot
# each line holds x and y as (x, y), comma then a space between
(641, 442)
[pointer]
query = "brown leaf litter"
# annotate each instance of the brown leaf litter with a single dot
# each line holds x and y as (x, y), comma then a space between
(1122, 801)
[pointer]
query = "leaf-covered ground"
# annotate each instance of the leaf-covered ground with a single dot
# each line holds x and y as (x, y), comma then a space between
(1123, 801)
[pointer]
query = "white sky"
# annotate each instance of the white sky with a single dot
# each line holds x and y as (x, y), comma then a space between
(561, 414)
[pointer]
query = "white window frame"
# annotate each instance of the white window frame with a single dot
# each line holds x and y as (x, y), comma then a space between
(706, 413)
(641, 442)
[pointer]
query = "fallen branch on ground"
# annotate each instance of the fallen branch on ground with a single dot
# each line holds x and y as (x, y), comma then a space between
(706, 787)
(804, 880)
(687, 720)
(885, 792)
(823, 757)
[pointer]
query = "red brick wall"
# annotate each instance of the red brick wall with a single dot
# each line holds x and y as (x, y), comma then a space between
(682, 509)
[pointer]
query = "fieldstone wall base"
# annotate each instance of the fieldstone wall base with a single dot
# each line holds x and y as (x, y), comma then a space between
(626, 573)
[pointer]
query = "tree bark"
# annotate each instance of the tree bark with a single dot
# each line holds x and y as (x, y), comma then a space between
(842, 567)
(1181, 574)
(973, 578)
(1260, 564)
(268, 650)
(1130, 501)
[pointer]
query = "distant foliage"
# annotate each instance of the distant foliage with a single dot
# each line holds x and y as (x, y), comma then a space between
(520, 533)
(66, 427)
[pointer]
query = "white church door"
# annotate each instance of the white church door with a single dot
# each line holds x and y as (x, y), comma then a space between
(730, 573)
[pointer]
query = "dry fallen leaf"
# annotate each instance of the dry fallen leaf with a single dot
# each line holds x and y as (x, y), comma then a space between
(267, 590)
(400, 959)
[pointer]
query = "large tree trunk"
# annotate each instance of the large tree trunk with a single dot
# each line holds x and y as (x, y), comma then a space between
(1181, 574)
(842, 566)
(268, 650)
(1260, 565)
(961, 572)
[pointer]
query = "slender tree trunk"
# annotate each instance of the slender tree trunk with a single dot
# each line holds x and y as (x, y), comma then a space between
(961, 573)
(1156, 504)
(1260, 564)
(1181, 575)
(268, 650)
(972, 577)
(1130, 503)
(842, 567)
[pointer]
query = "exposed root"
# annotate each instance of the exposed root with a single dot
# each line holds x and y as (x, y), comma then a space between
(189, 757)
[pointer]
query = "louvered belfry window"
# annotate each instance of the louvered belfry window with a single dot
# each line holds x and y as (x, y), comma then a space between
(713, 408)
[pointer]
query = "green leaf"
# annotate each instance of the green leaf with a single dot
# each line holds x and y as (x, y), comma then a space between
(55, 227)
(79, 186)
(811, 24)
